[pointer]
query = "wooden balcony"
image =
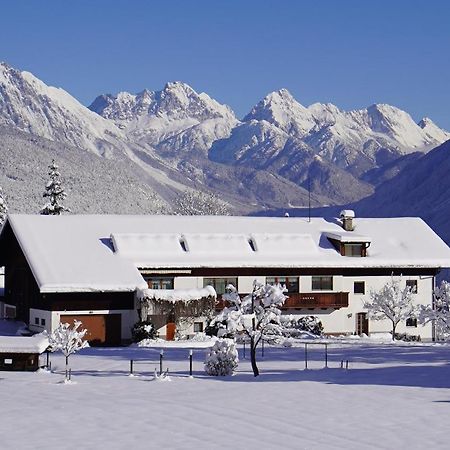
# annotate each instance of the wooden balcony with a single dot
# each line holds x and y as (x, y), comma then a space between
(307, 300)
(316, 300)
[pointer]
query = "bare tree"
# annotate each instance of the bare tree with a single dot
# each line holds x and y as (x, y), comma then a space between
(198, 203)
(439, 312)
(68, 340)
(391, 302)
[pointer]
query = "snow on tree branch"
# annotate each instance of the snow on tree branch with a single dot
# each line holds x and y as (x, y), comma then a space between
(68, 340)
(439, 313)
(3, 208)
(55, 192)
(392, 303)
(257, 315)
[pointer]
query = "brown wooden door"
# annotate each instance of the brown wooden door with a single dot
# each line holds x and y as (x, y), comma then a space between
(362, 324)
(103, 329)
(170, 331)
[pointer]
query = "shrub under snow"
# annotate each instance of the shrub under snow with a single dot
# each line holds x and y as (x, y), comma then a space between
(222, 359)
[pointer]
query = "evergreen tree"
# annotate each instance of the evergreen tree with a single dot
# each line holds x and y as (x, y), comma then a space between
(3, 208)
(55, 192)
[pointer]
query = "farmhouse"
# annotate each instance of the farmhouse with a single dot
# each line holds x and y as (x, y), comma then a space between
(98, 268)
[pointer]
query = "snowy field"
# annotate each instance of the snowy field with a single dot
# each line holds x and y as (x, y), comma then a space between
(392, 396)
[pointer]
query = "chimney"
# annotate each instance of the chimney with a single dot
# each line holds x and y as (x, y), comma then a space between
(347, 216)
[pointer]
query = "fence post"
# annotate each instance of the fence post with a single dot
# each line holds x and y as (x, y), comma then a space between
(306, 356)
(131, 367)
(346, 364)
(161, 356)
(244, 349)
(262, 348)
(190, 363)
(48, 359)
(326, 356)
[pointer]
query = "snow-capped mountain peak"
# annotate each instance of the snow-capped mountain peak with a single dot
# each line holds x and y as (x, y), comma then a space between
(174, 118)
(30, 105)
(432, 131)
(281, 109)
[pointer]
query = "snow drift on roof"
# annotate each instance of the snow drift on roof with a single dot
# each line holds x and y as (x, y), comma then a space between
(21, 344)
(176, 295)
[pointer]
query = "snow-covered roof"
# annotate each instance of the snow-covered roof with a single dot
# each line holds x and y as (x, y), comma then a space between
(175, 295)
(21, 344)
(102, 252)
(347, 236)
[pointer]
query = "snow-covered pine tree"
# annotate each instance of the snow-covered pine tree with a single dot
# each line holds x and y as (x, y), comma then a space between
(197, 203)
(439, 313)
(55, 192)
(3, 208)
(257, 315)
(392, 303)
(68, 340)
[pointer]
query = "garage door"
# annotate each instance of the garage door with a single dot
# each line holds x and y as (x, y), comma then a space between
(103, 329)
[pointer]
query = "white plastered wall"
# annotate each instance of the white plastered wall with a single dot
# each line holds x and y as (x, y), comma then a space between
(343, 320)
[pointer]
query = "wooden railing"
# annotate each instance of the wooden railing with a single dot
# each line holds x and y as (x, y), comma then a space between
(317, 300)
(307, 300)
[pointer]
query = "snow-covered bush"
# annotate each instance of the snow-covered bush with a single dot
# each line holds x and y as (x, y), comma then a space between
(222, 359)
(143, 330)
(295, 326)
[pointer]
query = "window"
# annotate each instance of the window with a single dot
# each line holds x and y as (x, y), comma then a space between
(7, 361)
(412, 284)
(160, 283)
(411, 322)
(43, 322)
(291, 283)
(356, 250)
(322, 283)
(36, 320)
(198, 327)
(220, 284)
(359, 287)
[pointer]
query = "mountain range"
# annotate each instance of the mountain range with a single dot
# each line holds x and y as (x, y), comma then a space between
(158, 143)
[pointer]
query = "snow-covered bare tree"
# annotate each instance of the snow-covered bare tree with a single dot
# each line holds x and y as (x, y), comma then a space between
(3, 208)
(197, 203)
(439, 313)
(55, 192)
(68, 339)
(256, 315)
(391, 302)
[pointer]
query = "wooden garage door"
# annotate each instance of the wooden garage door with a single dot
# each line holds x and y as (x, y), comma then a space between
(103, 329)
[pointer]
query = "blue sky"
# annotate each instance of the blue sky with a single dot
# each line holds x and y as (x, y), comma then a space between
(351, 53)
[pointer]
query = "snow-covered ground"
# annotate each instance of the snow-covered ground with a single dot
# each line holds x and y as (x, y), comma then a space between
(392, 396)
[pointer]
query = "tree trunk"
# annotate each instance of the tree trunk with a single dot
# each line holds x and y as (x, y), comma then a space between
(253, 356)
(67, 367)
(394, 326)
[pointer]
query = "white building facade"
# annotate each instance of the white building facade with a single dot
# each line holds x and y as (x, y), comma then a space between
(92, 267)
